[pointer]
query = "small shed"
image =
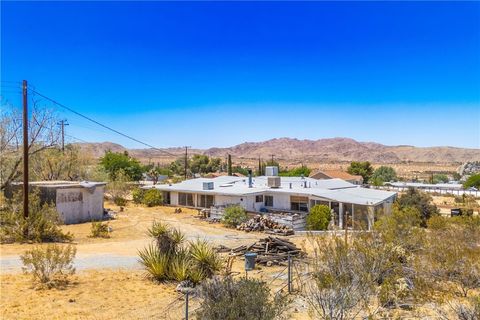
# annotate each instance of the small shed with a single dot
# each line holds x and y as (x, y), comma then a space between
(76, 202)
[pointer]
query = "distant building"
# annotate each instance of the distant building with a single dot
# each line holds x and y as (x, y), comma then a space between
(352, 205)
(337, 174)
(75, 202)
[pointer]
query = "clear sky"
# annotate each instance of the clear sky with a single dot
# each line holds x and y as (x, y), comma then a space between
(216, 74)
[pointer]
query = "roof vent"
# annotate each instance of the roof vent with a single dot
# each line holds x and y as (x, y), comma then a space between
(273, 182)
(208, 186)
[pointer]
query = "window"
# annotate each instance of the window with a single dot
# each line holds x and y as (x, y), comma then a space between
(259, 198)
(268, 201)
(166, 197)
(299, 203)
(185, 199)
(205, 200)
(319, 202)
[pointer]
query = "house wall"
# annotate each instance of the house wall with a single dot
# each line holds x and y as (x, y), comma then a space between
(76, 205)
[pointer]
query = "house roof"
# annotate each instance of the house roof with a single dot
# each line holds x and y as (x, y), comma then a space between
(336, 174)
(59, 184)
(328, 189)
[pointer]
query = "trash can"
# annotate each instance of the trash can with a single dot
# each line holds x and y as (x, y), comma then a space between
(250, 260)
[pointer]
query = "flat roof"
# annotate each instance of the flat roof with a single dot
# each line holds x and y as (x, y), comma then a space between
(329, 189)
(59, 184)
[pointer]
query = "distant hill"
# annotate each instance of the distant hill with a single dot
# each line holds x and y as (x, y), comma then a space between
(332, 149)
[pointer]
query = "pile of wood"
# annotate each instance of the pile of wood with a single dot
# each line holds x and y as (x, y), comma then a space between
(270, 251)
(264, 223)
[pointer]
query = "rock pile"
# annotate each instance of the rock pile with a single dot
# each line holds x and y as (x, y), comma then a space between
(264, 223)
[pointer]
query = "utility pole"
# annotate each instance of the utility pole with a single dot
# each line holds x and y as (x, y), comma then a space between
(229, 165)
(25, 152)
(63, 123)
(186, 161)
(272, 155)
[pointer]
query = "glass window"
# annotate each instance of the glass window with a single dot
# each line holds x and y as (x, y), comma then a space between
(259, 198)
(268, 201)
(185, 199)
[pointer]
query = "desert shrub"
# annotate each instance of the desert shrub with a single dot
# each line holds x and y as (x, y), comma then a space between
(119, 201)
(205, 257)
(420, 200)
(99, 230)
(42, 224)
(50, 266)
(152, 198)
(453, 252)
(229, 299)
(319, 218)
(156, 263)
(169, 258)
(137, 195)
(234, 215)
(469, 312)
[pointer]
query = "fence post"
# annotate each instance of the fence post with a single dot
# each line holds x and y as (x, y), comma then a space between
(186, 305)
(289, 273)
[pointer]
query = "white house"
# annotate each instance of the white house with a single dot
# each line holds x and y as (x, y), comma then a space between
(352, 205)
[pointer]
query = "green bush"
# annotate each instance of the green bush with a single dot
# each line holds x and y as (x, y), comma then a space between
(229, 299)
(419, 200)
(42, 224)
(319, 218)
(152, 198)
(50, 266)
(120, 201)
(234, 215)
(99, 230)
(137, 195)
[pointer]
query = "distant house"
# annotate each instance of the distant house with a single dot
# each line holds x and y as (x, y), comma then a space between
(352, 205)
(75, 202)
(337, 174)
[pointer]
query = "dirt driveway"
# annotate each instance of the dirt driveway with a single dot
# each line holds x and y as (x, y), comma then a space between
(129, 235)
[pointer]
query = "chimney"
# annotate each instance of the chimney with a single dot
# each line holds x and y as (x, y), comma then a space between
(250, 182)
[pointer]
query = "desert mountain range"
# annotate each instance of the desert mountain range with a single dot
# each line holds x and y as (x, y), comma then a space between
(289, 149)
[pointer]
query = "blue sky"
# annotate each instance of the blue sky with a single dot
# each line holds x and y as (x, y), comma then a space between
(216, 74)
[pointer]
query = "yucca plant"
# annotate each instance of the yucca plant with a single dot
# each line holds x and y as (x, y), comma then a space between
(168, 239)
(196, 275)
(205, 258)
(180, 266)
(155, 262)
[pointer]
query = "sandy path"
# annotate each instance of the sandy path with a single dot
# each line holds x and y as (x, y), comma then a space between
(129, 235)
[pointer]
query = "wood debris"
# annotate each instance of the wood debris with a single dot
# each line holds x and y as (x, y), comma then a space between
(270, 251)
(266, 224)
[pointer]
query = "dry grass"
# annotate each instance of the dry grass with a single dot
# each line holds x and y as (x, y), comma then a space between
(100, 294)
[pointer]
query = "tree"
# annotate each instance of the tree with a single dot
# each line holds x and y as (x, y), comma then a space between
(229, 165)
(53, 164)
(473, 181)
(177, 167)
(296, 172)
(363, 169)
(319, 217)
(419, 200)
(439, 178)
(43, 133)
(383, 174)
(204, 164)
(114, 162)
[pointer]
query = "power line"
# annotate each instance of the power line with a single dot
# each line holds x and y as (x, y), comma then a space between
(100, 124)
(75, 138)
